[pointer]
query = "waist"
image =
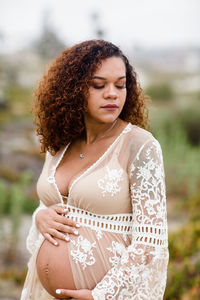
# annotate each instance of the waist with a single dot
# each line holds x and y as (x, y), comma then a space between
(116, 223)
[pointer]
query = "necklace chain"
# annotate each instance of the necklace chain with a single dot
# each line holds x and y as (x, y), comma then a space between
(82, 155)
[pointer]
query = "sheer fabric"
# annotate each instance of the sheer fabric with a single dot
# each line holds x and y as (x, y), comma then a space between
(120, 201)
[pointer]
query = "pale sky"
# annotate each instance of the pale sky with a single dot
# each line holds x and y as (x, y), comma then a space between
(145, 23)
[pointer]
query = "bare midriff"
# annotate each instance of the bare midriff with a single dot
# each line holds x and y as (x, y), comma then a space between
(53, 267)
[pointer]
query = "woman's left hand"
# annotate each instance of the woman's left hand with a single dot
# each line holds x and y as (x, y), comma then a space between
(82, 294)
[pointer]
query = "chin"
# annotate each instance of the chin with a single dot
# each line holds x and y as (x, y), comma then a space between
(106, 118)
(109, 119)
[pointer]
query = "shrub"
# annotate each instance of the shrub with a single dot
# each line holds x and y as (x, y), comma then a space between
(184, 247)
(180, 159)
(12, 204)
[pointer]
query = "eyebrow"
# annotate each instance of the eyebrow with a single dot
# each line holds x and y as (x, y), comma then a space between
(103, 78)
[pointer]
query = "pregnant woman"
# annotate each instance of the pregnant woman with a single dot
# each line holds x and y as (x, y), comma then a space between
(102, 186)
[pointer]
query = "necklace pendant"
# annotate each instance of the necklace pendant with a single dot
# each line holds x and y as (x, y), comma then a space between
(82, 155)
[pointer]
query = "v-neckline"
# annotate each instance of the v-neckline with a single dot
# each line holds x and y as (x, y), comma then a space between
(81, 174)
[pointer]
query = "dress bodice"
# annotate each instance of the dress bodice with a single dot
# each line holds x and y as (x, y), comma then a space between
(97, 188)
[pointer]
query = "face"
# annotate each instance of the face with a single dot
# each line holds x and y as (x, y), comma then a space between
(107, 92)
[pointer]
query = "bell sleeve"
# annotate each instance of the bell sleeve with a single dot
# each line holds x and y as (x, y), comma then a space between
(34, 237)
(142, 270)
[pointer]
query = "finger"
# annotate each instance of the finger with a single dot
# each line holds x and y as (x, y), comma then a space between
(67, 293)
(64, 298)
(60, 209)
(50, 239)
(59, 235)
(64, 228)
(67, 221)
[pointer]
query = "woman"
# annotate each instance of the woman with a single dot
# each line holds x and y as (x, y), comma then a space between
(104, 171)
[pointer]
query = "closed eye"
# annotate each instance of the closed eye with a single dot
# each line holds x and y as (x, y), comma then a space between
(98, 86)
(121, 86)
(102, 86)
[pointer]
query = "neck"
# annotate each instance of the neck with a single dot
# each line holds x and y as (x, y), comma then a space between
(96, 131)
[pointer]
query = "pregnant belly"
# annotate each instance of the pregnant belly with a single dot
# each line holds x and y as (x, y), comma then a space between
(53, 267)
(80, 263)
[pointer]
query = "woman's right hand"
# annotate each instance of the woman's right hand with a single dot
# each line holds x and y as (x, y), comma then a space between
(52, 224)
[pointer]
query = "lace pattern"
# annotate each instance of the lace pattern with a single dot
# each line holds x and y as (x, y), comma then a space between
(34, 238)
(116, 223)
(83, 252)
(140, 272)
(116, 250)
(109, 184)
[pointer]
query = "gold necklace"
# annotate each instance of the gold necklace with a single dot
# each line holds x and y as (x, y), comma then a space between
(82, 155)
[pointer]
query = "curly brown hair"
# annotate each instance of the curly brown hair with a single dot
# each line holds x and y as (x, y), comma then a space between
(61, 97)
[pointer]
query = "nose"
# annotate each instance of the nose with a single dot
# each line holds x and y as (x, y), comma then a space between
(110, 92)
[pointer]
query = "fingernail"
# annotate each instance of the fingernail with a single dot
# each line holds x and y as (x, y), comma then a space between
(67, 238)
(78, 225)
(75, 232)
(55, 243)
(65, 209)
(58, 291)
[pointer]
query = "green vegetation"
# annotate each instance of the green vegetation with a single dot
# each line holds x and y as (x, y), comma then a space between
(13, 204)
(181, 158)
(184, 265)
(18, 103)
(14, 200)
(160, 92)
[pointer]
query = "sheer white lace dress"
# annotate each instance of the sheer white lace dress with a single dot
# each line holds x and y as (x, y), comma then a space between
(120, 202)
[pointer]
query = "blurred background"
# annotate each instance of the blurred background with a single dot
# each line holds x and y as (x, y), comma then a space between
(162, 41)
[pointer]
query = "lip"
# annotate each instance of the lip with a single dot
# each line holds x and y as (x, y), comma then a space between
(110, 107)
(114, 106)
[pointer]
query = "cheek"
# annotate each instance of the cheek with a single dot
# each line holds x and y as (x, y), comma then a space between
(94, 99)
(92, 105)
(123, 97)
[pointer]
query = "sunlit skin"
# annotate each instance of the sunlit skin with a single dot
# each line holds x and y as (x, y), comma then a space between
(107, 95)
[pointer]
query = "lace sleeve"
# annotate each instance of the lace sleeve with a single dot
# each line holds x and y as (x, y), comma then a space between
(34, 236)
(142, 271)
